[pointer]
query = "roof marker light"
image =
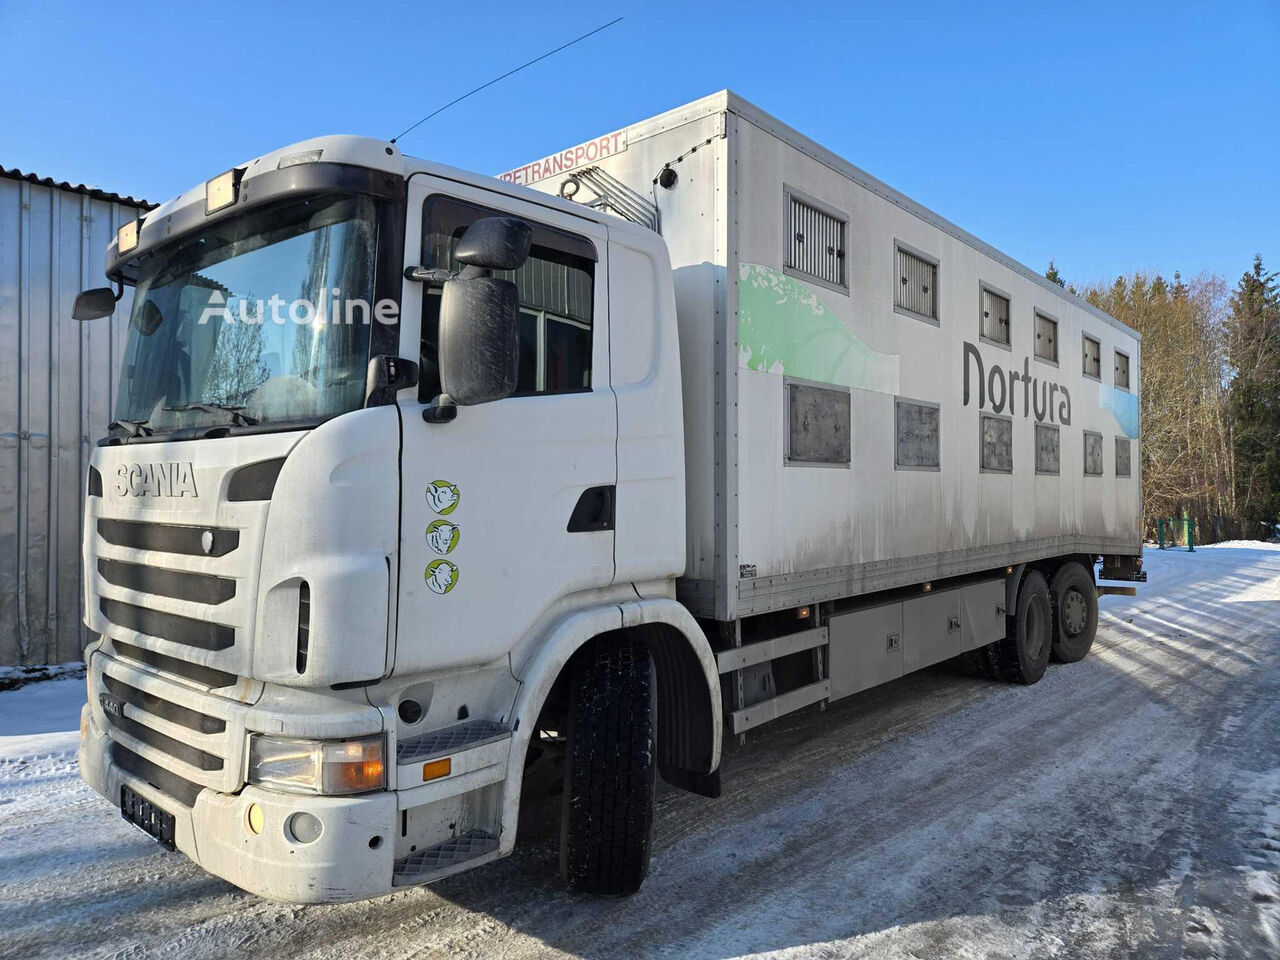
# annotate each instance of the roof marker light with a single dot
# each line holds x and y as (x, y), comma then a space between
(293, 159)
(127, 237)
(220, 192)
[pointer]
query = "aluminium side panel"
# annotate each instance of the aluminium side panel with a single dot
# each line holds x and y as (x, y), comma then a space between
(57, 389)
(942, 477)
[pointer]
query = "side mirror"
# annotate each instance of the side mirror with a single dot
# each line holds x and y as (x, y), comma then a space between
(94, 304)
(495, 243)
(478, 349)
(479, 346)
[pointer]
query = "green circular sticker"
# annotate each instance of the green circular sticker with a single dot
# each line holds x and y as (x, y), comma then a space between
(442, 497)
(441, 576)
(442, 536)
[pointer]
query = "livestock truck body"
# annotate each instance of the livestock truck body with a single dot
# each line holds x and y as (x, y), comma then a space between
(630, 449)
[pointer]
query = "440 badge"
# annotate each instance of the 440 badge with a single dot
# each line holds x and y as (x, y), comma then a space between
(442, 536)
(441, 576)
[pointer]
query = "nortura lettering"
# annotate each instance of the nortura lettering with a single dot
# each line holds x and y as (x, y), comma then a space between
(1043, 399)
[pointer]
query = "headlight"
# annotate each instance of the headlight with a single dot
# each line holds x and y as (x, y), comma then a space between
(318, 766)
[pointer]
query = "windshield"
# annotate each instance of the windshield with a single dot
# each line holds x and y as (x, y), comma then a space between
(262, 318)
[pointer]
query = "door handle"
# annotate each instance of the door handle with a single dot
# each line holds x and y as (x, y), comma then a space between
(593, 511)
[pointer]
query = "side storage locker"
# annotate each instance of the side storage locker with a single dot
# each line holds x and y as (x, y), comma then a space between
(930, 629)
(983, 612)
(864, 649)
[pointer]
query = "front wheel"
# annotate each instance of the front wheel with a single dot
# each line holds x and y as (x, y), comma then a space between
(609, 771)
(1075, 612)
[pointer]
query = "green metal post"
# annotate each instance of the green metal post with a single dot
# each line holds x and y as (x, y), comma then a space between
(1191, 536)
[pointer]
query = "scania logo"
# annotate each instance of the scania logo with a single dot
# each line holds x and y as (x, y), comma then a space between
(171, 479)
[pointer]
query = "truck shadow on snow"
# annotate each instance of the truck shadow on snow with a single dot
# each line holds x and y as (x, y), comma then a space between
(946, 798)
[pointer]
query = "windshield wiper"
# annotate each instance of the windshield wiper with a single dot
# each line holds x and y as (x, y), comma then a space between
(134, 428)
(237, 418)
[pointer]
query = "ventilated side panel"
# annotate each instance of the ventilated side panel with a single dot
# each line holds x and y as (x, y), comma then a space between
(1123, 453)
(818, 421)
(1092, 454)
(815, 242)
(918, 435)
(1048, 449)
(917, 284)
(1046, 338)
(997, 444)
(995, 316)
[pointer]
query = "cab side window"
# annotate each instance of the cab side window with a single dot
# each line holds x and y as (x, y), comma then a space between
(556, 286)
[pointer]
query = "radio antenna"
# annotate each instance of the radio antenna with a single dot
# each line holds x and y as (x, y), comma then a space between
(482, 86)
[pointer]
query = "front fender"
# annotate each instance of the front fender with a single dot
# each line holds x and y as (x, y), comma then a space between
(541, 671)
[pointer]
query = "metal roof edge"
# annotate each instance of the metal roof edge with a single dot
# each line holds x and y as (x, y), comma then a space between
(94, 193)
(748, 111)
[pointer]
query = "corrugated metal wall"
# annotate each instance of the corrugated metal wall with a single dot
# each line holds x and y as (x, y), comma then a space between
(57, 390)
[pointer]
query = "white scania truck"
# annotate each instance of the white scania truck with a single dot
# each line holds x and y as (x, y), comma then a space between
(629, 450)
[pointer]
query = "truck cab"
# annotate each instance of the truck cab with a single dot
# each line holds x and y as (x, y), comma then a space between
(347, 552)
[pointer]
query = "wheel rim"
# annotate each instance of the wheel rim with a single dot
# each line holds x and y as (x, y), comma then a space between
(1037, 627)
(1075, 611)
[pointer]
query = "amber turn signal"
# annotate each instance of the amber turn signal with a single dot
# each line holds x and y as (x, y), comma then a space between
(435, 769)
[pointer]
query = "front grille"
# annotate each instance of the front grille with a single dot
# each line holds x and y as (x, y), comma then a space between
(196, 587)
(181, 789)
(174, 603)
(190, 733)
(195, 672)
(168, 626)
(160, 707)
(168, 537)
(188, 754)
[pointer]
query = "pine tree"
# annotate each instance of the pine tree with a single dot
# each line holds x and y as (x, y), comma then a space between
(1253, 356)
(1053, 274)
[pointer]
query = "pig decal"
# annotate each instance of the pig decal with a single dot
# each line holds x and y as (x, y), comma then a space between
(441, 576)
(442, 497)
(442, 536)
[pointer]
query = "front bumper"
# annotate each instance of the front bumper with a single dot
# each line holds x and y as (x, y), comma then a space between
(352, 859)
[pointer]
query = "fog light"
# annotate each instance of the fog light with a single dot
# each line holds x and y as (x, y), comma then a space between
(255, 819)
(305, 828)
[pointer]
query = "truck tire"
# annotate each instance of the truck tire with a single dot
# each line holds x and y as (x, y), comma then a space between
(609, 770)
(1021, 657)
(1075, 612)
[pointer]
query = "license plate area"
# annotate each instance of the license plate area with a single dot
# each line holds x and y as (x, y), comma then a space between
(147, 817)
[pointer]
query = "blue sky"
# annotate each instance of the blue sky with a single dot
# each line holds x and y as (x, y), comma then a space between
(1109, 136)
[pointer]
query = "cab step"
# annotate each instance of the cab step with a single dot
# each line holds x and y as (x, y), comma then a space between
(451, 739)
(436, 861)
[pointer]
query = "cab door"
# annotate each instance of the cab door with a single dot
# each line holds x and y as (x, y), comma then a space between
(509, 507)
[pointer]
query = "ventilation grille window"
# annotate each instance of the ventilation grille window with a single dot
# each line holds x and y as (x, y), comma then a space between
(1048, 451)
(1123, 453)
(817, 424)
(1122, 370)
(815, 242)
(1046, 338)
(1092, 358)
(1092, 454)
(995, 316)
(997, 444)
(916, 289)
(917, 430)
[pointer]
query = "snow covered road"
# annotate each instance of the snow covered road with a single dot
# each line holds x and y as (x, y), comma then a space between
(1127, 805)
